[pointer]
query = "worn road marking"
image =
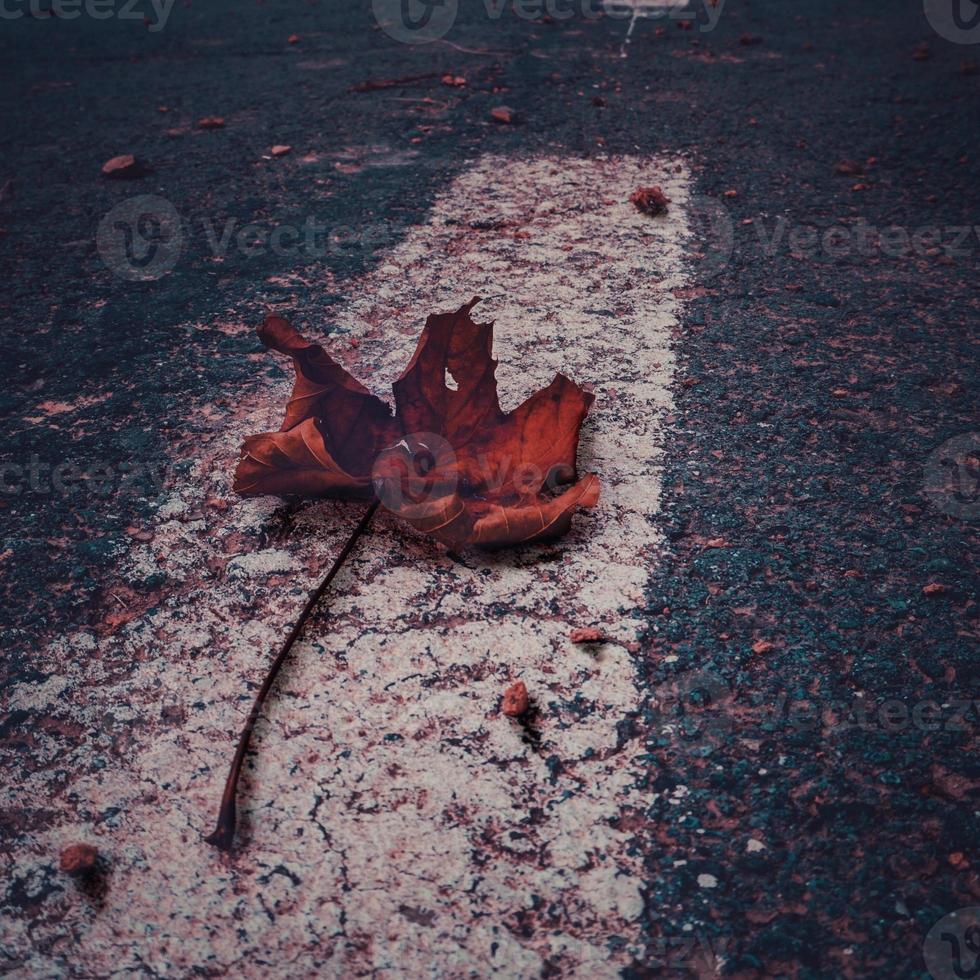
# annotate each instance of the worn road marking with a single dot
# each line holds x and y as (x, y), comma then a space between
(395, 823)
(639, 9)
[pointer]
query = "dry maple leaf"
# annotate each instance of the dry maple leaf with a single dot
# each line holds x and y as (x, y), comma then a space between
(448, 461)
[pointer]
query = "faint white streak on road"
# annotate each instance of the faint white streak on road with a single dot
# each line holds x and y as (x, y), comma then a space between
(640, 9)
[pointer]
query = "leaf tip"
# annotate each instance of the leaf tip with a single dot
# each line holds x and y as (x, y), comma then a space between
(277, 333)
(591, 491)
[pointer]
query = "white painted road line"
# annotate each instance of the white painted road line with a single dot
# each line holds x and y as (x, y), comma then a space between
(394, 823)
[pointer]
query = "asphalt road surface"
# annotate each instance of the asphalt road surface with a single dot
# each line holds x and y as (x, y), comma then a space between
(769, 766)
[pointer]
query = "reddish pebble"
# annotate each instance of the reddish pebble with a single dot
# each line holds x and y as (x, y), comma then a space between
(211, 122)
(761, 646)
(587, 634)
(935, 588)
(515, 701)
(502, 114)
(649, 200)
(78, 859)
(124, 167)
(280, 150)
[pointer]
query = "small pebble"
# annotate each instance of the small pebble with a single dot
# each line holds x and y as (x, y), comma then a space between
(125, 167)
(78, 859)
(586, 634)
(515, 702)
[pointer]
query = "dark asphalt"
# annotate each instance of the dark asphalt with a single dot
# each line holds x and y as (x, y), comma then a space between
(815, 387)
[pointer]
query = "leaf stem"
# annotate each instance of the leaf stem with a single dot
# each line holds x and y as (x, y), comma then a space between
(224, 833)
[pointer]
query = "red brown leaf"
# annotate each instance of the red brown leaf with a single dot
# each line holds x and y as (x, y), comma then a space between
(449, 462)
(295, 463)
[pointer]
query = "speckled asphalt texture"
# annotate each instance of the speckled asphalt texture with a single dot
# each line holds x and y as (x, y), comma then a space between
(807, 663)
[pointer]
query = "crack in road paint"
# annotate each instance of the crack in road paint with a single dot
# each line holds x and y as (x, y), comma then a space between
(386, 780)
